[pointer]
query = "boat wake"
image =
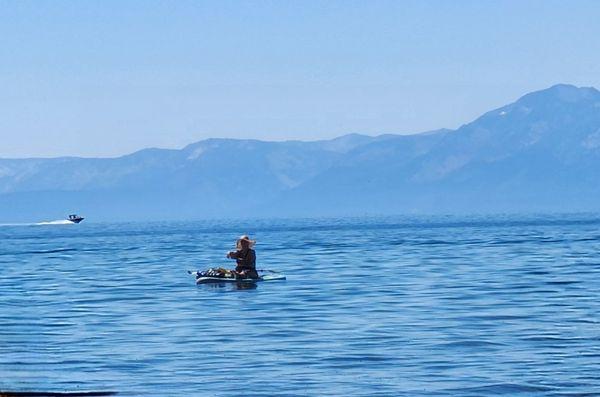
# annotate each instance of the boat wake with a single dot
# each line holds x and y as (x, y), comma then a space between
(58, 222)
(45, 223)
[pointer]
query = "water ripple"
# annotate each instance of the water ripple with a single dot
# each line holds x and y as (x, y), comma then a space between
(410, 306)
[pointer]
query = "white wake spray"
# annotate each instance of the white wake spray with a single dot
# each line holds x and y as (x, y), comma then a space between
(45, 223)
(57, 222)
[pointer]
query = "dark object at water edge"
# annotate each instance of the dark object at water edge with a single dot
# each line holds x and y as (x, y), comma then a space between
(56, 394)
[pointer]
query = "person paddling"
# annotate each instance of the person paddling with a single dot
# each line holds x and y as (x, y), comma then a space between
(245, 258)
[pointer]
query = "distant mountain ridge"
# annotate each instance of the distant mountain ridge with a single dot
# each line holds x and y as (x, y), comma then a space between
(540, 153)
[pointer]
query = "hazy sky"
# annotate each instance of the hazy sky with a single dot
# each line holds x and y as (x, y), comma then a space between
(104, 78)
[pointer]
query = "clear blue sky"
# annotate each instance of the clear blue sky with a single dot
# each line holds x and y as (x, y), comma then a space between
(104, 78)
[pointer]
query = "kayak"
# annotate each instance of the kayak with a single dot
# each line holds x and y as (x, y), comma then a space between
(266, 277)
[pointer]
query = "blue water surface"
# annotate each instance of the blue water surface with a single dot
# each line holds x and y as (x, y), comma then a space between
(405, 306)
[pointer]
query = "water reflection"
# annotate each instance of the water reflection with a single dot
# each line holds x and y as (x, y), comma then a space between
(231, 286)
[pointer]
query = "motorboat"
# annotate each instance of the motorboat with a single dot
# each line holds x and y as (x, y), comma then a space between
(75, 218)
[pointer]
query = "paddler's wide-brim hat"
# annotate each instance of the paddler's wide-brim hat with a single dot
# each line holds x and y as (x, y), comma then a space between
(246, 239)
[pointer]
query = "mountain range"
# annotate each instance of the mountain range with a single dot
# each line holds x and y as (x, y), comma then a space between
(538, 154)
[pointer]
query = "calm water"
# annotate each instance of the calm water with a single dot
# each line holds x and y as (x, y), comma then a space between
(403, 306)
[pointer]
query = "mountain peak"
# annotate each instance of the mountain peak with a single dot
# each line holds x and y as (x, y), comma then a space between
(563, 93)
(345, 143)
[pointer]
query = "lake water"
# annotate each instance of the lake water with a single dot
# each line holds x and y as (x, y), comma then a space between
(442, 306)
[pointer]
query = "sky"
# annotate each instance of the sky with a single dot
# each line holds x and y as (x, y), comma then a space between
(107, 78)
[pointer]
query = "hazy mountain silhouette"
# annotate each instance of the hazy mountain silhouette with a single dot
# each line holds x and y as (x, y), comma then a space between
(540, 153)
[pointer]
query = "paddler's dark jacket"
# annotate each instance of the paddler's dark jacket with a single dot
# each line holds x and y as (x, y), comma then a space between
(246, 260)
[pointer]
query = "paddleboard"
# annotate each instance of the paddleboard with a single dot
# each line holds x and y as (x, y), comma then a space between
(266, 277)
